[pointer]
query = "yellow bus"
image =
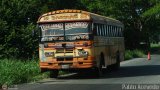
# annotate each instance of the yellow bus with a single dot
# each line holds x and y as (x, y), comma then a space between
(79, 40)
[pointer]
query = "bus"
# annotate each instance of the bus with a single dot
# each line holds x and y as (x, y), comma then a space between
(79, 40)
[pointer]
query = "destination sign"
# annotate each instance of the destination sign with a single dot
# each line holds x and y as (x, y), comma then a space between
(64, 16)
(59, 26)
(76, 25)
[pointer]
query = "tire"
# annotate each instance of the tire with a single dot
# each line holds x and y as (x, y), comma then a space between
(54, 73)
(98, 72)
(116, 66)
(43, 70)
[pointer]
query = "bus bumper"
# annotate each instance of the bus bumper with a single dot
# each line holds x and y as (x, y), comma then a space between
(60, 65)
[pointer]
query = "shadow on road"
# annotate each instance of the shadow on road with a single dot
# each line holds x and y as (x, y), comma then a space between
(132, 71)
(125, 71)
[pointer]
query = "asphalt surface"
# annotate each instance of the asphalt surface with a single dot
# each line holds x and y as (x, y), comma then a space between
(135, 74)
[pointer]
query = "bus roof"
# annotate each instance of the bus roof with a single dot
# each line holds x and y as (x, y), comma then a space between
(59, 15)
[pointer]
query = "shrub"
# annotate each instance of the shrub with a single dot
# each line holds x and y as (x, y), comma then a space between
(138, 53)
(16, 71)
(128, 55)
(133, 54)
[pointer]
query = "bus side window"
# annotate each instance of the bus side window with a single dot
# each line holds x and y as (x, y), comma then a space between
(107, 30)
(111, 29)
(121, 32)
(95, 29)
(99, 29)
(103, 30)
(116, 31)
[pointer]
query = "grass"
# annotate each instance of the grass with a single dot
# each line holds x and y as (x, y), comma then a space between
(129, 54)
(16, 71)
(155, 48)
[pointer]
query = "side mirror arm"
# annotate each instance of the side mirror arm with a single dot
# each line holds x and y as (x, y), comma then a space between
(33, 33)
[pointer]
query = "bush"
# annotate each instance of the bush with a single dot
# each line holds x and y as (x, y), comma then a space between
(128, 55)
(138, 53)
(155, 48)
(133, 54)
(19, 43)
(16, 71)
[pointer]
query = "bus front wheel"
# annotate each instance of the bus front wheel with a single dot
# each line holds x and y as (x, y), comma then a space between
(54, 73)
(98, 70)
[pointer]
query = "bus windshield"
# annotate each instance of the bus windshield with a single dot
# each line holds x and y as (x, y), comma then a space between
(65, 31)
(76, 28)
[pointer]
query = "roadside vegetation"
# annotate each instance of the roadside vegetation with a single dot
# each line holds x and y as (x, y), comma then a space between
(16, 71)
(155, 48)
(129, 54)
(18, 19)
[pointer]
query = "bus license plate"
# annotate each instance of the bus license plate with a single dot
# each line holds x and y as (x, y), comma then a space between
(65, 66)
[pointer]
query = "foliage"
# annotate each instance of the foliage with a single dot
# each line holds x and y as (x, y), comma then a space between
(19, 43)
(155, 48)
(18, 18)
(16, 23)
(141, 20)
(155, 10)
(15, 71)
(129, 54)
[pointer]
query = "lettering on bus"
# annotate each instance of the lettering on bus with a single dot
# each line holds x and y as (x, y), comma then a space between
(58, 26)
(76, 25)
(64, 16)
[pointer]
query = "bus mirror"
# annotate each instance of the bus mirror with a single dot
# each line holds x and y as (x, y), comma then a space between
(33, 33)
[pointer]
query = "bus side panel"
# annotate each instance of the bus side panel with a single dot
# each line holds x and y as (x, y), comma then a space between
(101, 47)
(121, 48)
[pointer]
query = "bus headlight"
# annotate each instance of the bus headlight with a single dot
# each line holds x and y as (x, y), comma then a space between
(85, 44)
(45, 45)
(49, 54)
(82, 53)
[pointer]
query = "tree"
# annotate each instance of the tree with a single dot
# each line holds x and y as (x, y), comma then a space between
(141, 19)
(16, 25)
(152, 21)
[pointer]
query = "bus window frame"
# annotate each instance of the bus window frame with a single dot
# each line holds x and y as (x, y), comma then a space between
(40, 30)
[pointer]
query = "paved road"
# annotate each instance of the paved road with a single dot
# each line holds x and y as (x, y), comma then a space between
(132, 73)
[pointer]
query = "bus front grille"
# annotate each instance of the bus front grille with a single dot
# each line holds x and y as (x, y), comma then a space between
(67, 50)
(64, 58)
(64, 54)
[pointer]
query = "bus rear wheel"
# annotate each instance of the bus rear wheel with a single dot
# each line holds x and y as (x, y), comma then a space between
(116, 66)
(54, 73)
